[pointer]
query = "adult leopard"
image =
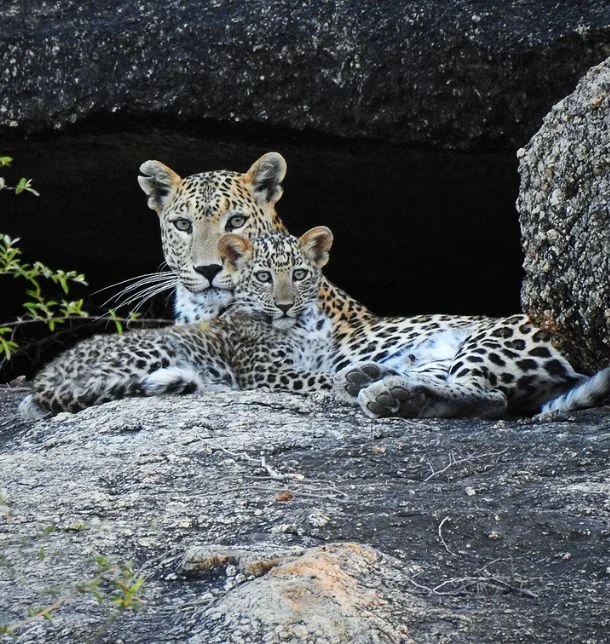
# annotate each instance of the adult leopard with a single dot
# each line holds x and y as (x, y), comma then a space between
(430, 365)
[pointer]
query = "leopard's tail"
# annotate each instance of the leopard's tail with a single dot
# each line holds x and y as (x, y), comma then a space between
(181, 379)
(588, 393)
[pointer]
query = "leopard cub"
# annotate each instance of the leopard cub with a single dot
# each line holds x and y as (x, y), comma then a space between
(273, 334)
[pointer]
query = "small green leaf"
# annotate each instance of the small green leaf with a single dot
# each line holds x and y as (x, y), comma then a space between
(22, 185)
(7, 347)
(117, 321)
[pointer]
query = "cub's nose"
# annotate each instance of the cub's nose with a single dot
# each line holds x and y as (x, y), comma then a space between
(285, 307)
(209, 271)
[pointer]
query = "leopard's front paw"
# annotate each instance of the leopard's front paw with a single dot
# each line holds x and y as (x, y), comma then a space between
(393, 396)
(352, 379)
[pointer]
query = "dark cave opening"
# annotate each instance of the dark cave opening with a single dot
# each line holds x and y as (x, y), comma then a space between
(416, 230)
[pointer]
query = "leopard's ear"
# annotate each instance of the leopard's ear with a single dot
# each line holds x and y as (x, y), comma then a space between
(316, 243)
(159, 184)
(235, 249)
(265, 177)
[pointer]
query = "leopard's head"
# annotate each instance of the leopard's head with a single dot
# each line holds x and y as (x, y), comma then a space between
(194, 213)
(277, 276)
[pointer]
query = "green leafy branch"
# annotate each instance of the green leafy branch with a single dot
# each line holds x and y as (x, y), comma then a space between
(46, 293)
(116, 584)
(38, 308)
(23, 185)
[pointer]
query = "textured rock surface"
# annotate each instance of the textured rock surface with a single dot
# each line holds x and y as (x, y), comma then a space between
(458, 73)
(255, 515)
(564, 207)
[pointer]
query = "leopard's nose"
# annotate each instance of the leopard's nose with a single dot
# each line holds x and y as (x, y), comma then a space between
(285, 307)
(209, 271)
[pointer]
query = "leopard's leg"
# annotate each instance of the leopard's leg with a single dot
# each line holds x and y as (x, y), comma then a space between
(419, 396)
(514, 357)
(200, 364)
(31, 408)
(349, 381)
(185, 379)
(96, 370)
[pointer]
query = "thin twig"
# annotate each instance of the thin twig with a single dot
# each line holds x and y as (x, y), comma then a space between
(440, 536)
(487, 581)
(273, 474)
(45, 612)
(19, 322)
(453, 461)
(490, 581)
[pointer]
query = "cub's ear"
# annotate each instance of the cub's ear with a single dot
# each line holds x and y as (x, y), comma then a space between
(159, 184)
(266, 175)
(316, 243)
(235, 249)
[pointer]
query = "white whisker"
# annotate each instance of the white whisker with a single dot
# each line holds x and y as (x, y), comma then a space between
(143, 294)
(162, 280)
(134, 297)
(147, 281)
(149, 295)
(129, 279)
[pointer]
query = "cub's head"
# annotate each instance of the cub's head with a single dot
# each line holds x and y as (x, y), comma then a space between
(196, 211)
(277, 276)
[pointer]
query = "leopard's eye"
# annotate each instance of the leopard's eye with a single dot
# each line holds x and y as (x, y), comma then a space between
(263, 276)
(299, 274)
(183, 224)
(235, 222)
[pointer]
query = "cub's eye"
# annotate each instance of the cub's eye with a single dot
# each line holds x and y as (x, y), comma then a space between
(236, 221)
(299, 274)
(263, 276)
(183, 224)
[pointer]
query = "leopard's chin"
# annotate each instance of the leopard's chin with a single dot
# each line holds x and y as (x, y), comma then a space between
(202, 305)
(283, 323)
(209, 291)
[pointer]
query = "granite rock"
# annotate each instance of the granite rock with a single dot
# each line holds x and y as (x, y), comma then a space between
(564, 209)
(454, 73)
(256, 516)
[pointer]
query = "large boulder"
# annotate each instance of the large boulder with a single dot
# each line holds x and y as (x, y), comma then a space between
(564, 207)
(457, 73)
(253, 516)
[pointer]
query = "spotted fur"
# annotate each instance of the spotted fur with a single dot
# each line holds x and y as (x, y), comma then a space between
(492, 368)
(444, 365)
(273, 335)
(196, 211)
